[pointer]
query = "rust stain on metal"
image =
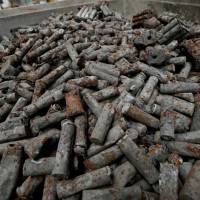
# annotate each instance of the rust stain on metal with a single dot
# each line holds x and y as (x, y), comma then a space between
(84, 82)
(114, 193)
(193, 47)
(90, 165)
(154, 149)
(138, 20)
(49, 188)
(175, 159)
(197, 99)
(194, 150)
(110, 156)
(74, 104)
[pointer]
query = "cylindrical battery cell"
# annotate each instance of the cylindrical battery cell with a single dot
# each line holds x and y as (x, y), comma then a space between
(93, 179)
(184, 148)
(111, 193)
(73, 103)
(177, 104)
(43, 166)
(179, 87)
(190, 189)
(103, 124)
(193, 137)
(167, 124)
(139, 115)
(139, 159)
(147, 91)
(114, 134)
(62, 163)
(80, 144)
(49, 192)
(9, 170)
(123, 174)
(103, 158)
(168, 182)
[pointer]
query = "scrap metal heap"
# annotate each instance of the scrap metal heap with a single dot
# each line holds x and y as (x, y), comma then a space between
(94, 106)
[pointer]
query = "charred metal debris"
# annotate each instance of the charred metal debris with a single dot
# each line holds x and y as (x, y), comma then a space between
(94, 106)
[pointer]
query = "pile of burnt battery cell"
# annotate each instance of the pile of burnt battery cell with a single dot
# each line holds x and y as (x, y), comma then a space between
(94, 106)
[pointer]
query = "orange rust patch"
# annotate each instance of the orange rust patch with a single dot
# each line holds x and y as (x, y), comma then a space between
(138, 20)
(110, 156)
(175, 159)
(197, 99)
(194, 150)
(84, 82)
(73, 103)
(154, 149)
(89, 164)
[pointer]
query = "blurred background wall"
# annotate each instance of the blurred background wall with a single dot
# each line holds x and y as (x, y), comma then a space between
(10, 18)
(188, 8)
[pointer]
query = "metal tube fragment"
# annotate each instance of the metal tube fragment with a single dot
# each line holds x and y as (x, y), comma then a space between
(61, 168)
(29, 186)
(49, 192)
(139, 115)
(103, 124)
(10, 170)
(139, 159)
(42, 166)
(93, 179)
(131, 192)
(80, 144)
(103, 158)
(73, 103)
(190, 189)
(167, 124)
(147, 91)
(168, 183)
(123, 174)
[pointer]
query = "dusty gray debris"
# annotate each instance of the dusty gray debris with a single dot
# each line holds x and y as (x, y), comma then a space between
(95, 106)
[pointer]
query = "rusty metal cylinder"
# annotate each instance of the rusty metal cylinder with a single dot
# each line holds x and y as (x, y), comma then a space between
(103, 158)
(190, 189)
(168, 182)
(131, 192)
(103, 124)
(177, 104)
(147, 90)
(139, 159)
(93, 179)
(10, 170)
(167, 124)
(179, 87)
(43, 166)
(49, 192)
(139, 115)
(62, 163)
(80, 144)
